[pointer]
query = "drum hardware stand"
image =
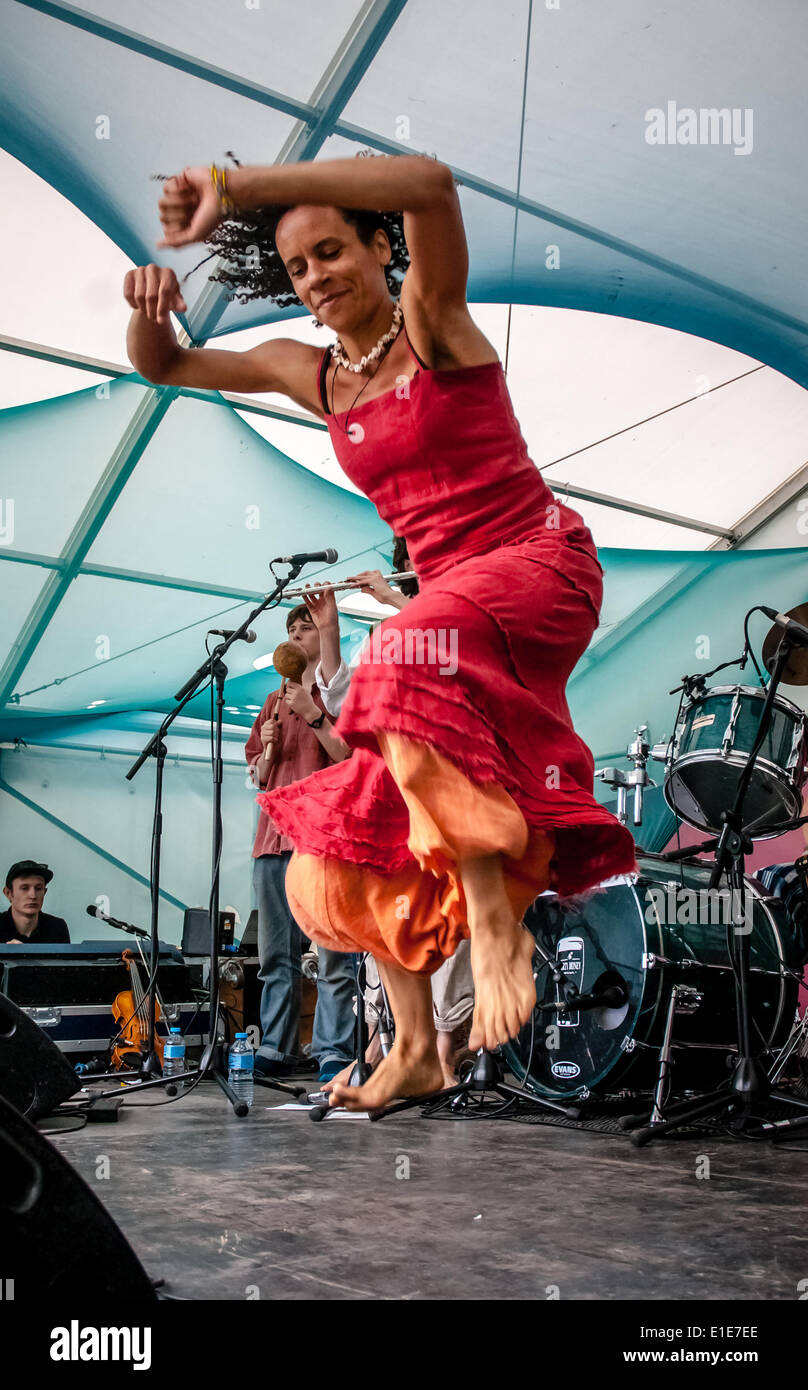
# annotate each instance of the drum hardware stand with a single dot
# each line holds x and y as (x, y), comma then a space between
(637, 753)
(362, 1070)
(705, 846)
(749, 1083)
(797, 1043)
(684, 999)
(213, 1060)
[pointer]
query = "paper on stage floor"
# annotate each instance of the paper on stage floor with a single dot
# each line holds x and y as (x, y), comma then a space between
(335, 1114)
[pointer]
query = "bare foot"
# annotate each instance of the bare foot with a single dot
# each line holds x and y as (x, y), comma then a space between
(403, 1072)
(505, 992)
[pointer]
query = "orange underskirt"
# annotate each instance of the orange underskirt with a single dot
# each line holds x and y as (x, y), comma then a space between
(416, 917)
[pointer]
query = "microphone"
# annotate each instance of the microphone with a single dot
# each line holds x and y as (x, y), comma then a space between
(795, 632)
(306, 557)
(612, 997)
(227, 632)
(94, 911)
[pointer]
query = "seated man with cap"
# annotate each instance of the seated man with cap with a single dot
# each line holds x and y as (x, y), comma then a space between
(24, 922)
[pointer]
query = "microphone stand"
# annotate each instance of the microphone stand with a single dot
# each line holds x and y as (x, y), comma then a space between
(749, 1082)
(211, 668)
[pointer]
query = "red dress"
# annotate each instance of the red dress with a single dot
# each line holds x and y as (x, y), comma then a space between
(515, 576)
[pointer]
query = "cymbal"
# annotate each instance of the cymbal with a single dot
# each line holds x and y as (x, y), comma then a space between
(795, 671)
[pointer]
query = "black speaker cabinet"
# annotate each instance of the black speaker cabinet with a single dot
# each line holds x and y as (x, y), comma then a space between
(196, 931)
(34, 1076)
(55, 1235)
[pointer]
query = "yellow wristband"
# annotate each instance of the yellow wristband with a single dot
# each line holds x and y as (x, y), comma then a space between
(219, 181)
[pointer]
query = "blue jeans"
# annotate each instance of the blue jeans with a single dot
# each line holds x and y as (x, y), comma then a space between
(280, 946)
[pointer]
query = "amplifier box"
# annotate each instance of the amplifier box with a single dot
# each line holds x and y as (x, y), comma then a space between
(90, 1028)
(51, 980)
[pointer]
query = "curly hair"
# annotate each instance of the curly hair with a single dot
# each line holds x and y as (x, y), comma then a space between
(254, 269)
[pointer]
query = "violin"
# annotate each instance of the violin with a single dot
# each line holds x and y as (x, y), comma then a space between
(130, 1009)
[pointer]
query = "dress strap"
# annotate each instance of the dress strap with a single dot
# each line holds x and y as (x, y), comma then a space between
(412, 349)
(324, 361)
(326, 358)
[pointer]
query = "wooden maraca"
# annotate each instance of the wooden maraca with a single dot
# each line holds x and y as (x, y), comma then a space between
(290, 663)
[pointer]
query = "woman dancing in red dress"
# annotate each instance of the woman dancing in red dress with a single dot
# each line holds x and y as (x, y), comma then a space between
(468, 792)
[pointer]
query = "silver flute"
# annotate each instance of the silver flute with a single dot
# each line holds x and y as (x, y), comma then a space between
(314, 587)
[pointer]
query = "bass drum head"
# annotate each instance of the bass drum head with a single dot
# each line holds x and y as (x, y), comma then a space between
(601, 940)
(646, 934)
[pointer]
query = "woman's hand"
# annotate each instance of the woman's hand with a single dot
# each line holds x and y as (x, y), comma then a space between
(323, 608)
(300, 702)
(155, 291)
(189, 208)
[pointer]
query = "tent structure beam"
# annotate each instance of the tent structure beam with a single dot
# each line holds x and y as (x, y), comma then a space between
(776, 502)
(98, 367)
(172, 57)
(85, 841)
(56, 745)
(157, 581)
(62, 358)
(637, 509)
(373, 24)
(29, 557)
(131, 446)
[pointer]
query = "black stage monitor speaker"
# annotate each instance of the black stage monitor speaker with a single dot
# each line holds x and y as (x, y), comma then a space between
(56, 1236)
(34, 1075)
(196, 931)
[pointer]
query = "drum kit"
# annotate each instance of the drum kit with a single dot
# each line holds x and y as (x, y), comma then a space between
(662, 984)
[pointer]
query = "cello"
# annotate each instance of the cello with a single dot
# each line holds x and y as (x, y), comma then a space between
(130, 1009)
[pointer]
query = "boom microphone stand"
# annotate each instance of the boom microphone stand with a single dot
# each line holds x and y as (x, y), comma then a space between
(213, 1060)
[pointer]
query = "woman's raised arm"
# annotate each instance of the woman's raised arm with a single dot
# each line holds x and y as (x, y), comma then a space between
(420, 187)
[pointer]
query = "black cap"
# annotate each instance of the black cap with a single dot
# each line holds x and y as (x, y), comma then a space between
(27, 868)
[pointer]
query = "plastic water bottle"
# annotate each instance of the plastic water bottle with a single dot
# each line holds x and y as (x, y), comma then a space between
(174, 1055)
(241, 1068)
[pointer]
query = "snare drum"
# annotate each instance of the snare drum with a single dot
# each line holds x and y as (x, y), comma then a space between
(711, 749)
(646, 933)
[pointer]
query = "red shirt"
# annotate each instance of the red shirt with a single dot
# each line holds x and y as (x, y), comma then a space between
(301, 753)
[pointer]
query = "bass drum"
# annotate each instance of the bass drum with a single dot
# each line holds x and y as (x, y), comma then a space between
(646, 933)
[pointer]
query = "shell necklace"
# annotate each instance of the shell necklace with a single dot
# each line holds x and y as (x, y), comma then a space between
(339, 355)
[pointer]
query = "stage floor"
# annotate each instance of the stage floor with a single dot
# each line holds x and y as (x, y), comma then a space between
(275, 1207)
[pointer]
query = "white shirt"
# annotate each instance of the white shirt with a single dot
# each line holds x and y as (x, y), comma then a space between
(333, 693)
